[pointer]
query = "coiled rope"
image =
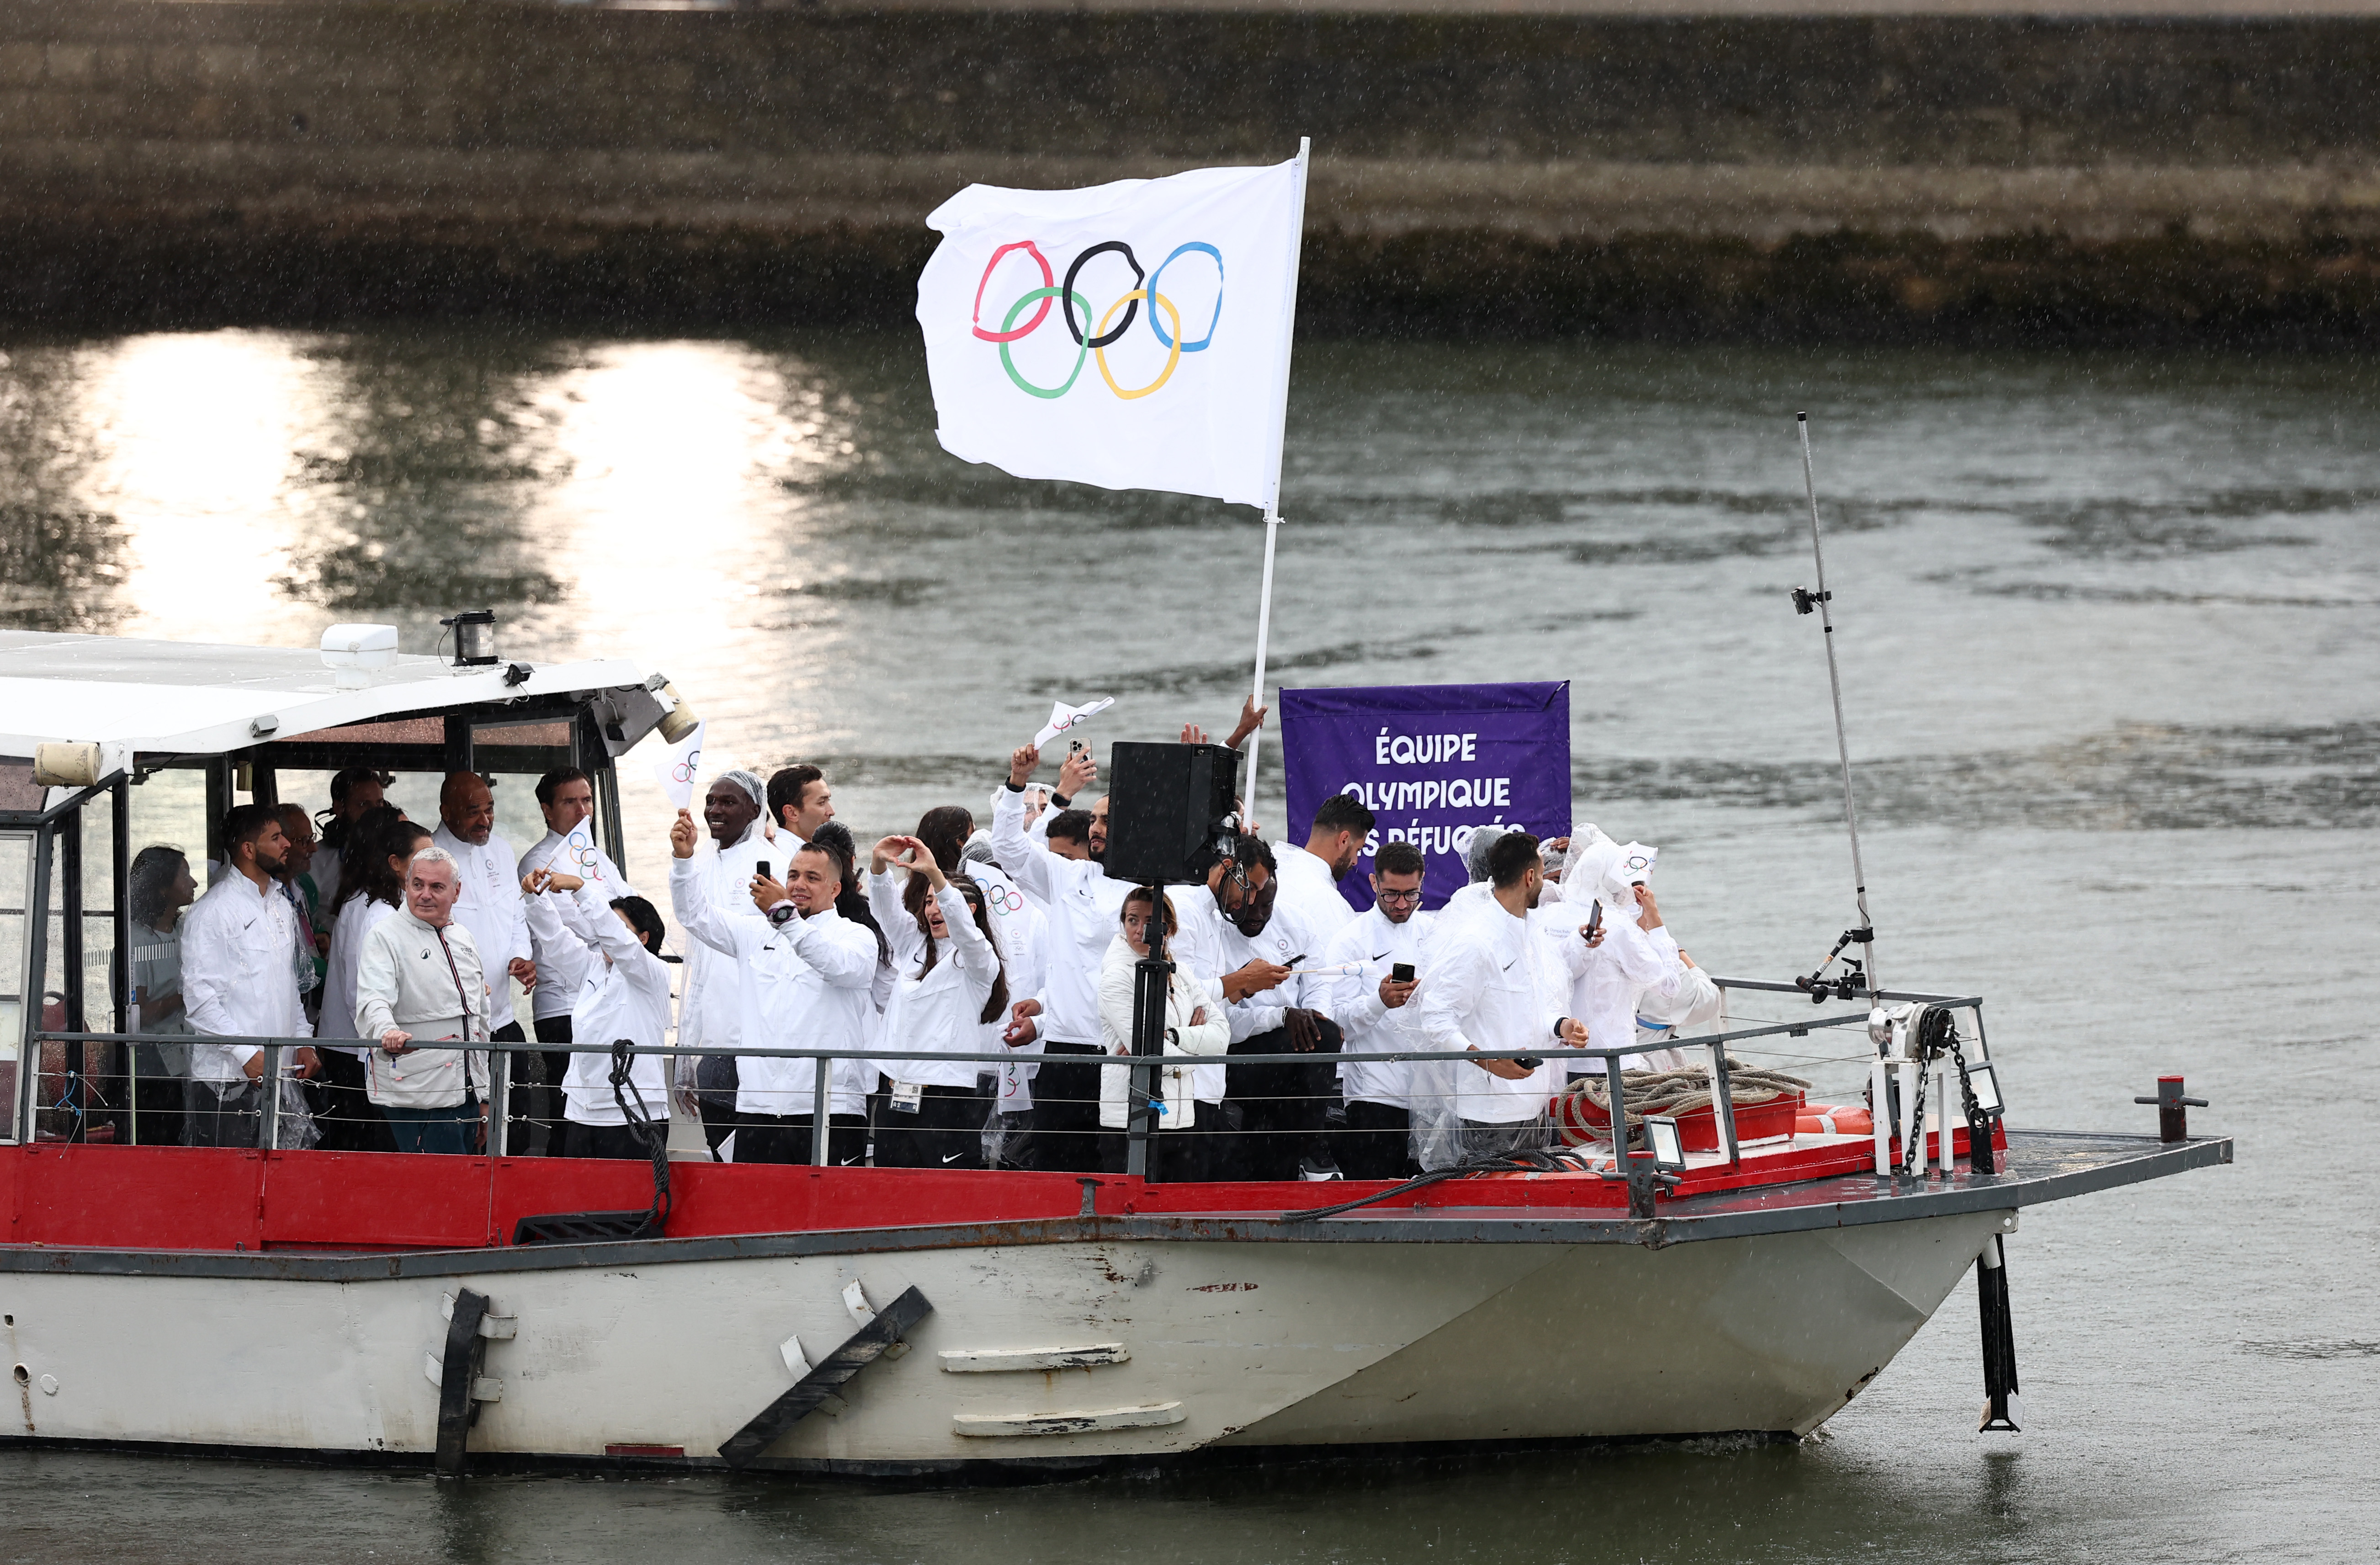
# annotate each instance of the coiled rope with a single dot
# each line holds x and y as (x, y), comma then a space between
(1664, 1092)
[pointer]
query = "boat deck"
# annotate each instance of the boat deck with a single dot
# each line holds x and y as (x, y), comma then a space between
(357, 1216)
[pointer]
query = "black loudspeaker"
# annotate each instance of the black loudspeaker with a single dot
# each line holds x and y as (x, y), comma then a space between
(1164, 804)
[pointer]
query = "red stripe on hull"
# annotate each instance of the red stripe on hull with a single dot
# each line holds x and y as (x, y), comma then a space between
(194, 1198)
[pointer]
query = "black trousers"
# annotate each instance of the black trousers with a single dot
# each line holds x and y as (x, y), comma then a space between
(946, 1132)
(1175, 1156)
(159, 1098)
(1281, 1107)
(231, 1119)
(785, 1138)
(1377, 1143)
(714, 1098)
(545, 1102)
(1066, 1107)
(351, 1122)
(601, 1141)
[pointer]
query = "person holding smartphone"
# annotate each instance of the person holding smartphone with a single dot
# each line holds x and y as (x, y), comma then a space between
(1374, 1006)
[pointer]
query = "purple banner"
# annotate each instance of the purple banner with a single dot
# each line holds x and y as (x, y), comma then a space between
(1433, 762)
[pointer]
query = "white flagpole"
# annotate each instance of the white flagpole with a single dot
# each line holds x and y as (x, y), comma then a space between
(1272, 489)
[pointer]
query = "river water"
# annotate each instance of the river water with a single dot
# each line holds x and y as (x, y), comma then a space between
(2110, 632)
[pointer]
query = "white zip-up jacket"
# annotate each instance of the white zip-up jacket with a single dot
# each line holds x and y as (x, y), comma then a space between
(804, 986)
(239, 977)
(561, 964)
(429, 981)
(1079, 903)
(1487, 981)
(1186, 992)
(626, 996)
(938, 1013)
(1369, 1027)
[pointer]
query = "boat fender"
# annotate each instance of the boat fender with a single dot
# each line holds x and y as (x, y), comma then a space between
(855, 1299)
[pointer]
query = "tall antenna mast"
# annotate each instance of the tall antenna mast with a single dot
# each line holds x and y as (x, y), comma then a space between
(1803, 602)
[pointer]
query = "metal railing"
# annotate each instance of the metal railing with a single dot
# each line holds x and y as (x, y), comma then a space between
(1611, 1056)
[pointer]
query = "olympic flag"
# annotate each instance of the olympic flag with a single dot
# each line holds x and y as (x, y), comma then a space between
(1132, 335)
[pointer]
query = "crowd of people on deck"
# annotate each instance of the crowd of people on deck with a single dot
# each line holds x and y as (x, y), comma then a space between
(396, 950)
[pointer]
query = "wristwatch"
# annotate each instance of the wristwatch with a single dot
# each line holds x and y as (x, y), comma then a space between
(784, 913)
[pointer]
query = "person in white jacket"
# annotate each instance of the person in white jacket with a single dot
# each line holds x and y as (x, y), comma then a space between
(239, 979)
(369, 892)
(799, 978)
(1488, 981)
(624, 992)
(1180, 1138)
(710, 1009)
(1373, 1008)
(948, 984)
(418, 986)
(565, 796)
(1638, 963)
(1080, 905)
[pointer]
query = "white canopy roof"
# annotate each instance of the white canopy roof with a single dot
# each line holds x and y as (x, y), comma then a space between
(194, 698)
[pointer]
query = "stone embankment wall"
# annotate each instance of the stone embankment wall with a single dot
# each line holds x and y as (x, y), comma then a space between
(1974, 179)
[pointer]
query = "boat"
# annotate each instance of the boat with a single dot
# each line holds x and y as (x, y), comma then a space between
(482, 1313)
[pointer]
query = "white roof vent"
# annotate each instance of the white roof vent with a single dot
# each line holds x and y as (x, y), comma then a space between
(355, 652)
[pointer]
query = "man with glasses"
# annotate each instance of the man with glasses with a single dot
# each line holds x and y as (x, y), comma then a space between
(1371, 1004)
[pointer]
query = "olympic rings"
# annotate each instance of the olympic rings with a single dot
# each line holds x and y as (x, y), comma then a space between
(1029, 247)
(1010, 364)
(1179, 252)
(1089, 339)
(1172, 358)
(684, 770)
(1140, 279)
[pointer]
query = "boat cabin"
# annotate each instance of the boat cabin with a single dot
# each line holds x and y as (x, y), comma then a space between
(108, 745)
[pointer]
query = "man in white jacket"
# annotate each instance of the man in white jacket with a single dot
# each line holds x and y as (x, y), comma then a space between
(1372, 1006)
(421, 985)
(565, 796)
(1310, 875)
(239, 979)
(1487, 979)
(1079, 905)
(801, 978)
(489, 905)
(709, 1012)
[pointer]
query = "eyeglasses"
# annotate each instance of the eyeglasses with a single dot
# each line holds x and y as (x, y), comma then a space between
(1392, 895)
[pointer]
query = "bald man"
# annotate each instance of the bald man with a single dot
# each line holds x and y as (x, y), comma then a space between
(491, 905)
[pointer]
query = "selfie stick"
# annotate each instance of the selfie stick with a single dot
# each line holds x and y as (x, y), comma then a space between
(1802, 600)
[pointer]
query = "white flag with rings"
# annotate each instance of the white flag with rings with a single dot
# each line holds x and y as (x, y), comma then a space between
(1132, 335)
(1064, 718)
(679, 766)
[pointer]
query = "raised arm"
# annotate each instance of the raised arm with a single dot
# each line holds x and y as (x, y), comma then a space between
(846, 962)
(1030, 863)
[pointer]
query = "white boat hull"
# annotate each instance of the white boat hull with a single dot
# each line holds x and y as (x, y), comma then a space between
(1222, 1344)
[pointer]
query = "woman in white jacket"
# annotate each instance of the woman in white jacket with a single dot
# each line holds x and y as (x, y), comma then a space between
(948, 983)
(1180, 1153)
(624, 992)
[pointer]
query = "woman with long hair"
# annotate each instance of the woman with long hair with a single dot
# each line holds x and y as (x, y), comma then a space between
(160, 888)
(931, 1115)
(1192, 1027)
(380, 843)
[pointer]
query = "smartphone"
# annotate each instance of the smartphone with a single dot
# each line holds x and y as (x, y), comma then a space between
(1528, 1062)
(761, 869)
(1402, 973)
(1594, 922)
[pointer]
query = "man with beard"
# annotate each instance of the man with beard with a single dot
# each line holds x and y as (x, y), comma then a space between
(239, 979)
(709, 1014)
(1492, 980)
(1370, 1003)
(489, 904)
(1310, 875)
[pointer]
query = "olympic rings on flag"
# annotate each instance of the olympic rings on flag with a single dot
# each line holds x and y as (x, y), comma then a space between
(1172, 358)
(1139, 280)
(1029, 247)
(1089, 339)
(1009, 364)
(684, 770)
(1179, 252)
